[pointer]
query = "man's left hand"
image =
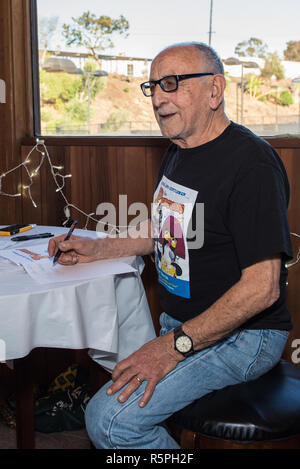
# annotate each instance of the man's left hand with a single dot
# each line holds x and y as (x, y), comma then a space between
(151, 363)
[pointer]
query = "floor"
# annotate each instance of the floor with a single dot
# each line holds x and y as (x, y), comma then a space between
(65, 440)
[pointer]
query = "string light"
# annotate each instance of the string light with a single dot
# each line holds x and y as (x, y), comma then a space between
(59, 180)
(298, 254)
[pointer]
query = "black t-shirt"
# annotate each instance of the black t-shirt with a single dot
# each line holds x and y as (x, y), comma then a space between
(242, 185)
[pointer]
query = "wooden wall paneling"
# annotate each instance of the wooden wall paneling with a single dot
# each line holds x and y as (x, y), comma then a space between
(132, 179)
(125, 173)
(283, 142)
(10, 209)
(291, 160)
(113, 181)
(87, 192)
(86, 188)
(154, 156)
(92, 185)
(16, 114)
(80, 190)
(68, 186)
(52, 202)
(29, 212)
(22, 75)
(49, 210)
(100, 183)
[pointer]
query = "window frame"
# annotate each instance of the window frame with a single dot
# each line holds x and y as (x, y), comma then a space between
(35, 68)
(103, 140)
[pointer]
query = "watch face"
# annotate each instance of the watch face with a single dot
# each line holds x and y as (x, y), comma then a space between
(184, 344)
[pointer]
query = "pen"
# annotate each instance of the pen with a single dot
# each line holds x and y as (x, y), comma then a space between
(29, 237)
(59, 252)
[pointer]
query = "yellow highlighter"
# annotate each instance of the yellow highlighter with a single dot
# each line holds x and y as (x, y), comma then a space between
(15, 229)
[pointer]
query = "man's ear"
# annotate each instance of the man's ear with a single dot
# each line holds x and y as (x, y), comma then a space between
(217, 91)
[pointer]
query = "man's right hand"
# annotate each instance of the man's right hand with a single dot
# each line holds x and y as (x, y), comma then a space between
(84, 249)
(77, 249)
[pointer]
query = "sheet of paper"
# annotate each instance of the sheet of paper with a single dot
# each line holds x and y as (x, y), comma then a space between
(6, 243)
(39, 266)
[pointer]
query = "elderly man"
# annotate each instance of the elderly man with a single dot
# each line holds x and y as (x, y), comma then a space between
(225, 318)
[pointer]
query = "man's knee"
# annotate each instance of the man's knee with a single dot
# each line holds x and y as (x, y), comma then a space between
(111, 424)
(95, 414)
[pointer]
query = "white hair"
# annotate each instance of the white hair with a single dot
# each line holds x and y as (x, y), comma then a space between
(211, 56)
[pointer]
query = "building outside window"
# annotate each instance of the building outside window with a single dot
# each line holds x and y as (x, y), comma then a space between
(92, 58)
(130, 70)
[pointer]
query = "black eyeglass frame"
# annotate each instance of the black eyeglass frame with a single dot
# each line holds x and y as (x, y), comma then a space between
(178, 79)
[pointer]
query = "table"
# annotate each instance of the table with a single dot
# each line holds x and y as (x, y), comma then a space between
(109, 316)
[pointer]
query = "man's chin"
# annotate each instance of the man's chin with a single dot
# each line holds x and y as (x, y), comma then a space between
(170, 135)
(169, 132)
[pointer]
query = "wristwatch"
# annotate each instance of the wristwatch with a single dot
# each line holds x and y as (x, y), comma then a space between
(183, 343)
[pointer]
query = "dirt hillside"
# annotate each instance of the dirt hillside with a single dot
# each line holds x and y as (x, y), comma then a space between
(122, 99)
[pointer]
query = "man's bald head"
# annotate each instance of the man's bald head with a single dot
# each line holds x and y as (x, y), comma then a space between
(206, 53)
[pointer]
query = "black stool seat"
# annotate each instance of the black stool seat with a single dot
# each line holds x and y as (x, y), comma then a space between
(265, 409)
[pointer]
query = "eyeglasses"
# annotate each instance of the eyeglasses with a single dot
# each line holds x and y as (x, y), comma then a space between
(168, 83)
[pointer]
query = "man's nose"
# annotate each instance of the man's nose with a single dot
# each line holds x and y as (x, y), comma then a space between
(159, 96)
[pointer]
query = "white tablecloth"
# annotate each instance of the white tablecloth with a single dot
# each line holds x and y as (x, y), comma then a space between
(110, 316)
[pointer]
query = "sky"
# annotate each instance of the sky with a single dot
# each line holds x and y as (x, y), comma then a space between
(155, 24)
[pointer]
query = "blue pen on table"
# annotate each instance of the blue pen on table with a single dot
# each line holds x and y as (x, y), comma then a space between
(59, 252)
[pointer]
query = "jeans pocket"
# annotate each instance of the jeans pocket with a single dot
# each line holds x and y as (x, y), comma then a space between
(163, 324)
(268, 354)
(167, 323)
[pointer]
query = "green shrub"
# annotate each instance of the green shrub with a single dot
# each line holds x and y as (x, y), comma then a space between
(97, 84)
(57, 87)
(77, 110)
(227, 79)
(285, 98)
(61, 88)
(90, 66)
(280, 96)
(253, 86)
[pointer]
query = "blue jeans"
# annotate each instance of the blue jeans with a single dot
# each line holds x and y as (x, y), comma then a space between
(245, 355)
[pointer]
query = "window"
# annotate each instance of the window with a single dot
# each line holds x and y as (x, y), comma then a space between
(88, 81)
(130, 70)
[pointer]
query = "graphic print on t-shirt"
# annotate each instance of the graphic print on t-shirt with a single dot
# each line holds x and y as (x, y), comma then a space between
(171, 214)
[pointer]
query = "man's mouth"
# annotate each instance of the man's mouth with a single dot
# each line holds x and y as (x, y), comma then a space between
(165, 117)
